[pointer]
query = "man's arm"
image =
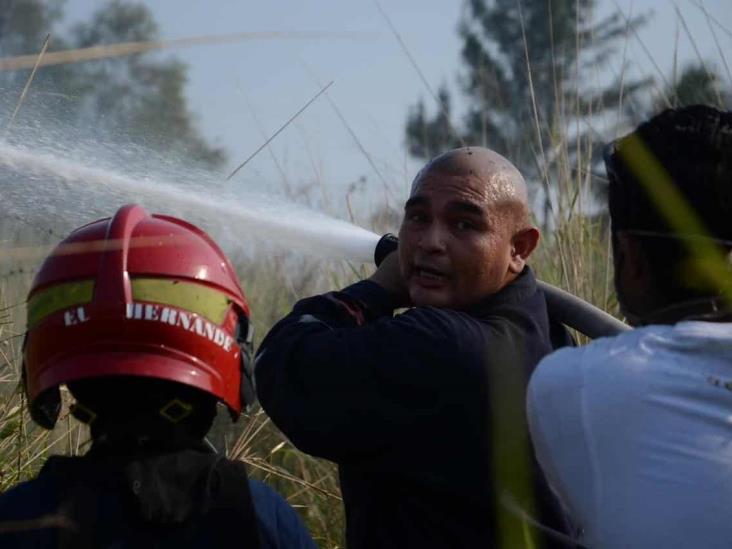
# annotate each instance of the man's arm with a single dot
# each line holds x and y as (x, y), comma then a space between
(345, 380)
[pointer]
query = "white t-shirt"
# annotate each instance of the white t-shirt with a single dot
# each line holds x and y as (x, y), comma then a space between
(634, 433)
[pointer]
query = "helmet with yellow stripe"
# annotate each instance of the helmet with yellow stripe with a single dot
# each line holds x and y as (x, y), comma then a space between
(147, 296)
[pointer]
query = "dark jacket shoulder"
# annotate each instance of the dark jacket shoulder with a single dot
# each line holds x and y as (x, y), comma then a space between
(40, 510)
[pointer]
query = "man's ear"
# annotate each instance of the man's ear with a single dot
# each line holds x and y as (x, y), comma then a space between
(523, 243)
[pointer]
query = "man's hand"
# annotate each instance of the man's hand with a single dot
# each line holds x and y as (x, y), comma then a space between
(388, 275)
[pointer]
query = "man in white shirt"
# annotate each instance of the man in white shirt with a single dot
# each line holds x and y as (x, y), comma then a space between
(634, 432)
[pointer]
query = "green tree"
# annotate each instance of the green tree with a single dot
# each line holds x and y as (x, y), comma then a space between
(506, 95)
(698, 85)
(139, 97)
(25, 23)
(427, 137)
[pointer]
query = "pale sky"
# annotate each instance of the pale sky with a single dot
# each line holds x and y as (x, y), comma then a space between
(375, 83)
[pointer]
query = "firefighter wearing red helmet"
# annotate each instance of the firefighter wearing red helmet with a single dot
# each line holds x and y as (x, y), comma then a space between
(142, 318)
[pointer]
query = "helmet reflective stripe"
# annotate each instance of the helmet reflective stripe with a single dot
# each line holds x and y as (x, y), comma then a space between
(196, 298)
(57, 298)
(206, 302)
(105, 245)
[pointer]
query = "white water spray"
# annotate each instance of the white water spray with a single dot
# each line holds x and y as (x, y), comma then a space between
(67, 187)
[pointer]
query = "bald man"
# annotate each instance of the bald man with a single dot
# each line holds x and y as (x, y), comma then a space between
(424, 411)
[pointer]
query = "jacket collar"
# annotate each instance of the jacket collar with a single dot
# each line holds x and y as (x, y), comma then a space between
(515, 293)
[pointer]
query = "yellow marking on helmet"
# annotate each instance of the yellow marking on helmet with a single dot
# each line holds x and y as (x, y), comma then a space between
(196, 298)
(57, 298)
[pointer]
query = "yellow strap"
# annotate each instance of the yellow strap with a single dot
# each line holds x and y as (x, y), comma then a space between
(56, 298)
(206, 302)
(196, 298)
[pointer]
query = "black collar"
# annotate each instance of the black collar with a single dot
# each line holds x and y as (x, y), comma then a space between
(515, 293)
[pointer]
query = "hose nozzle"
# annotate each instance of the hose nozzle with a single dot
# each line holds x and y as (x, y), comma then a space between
(387, 244)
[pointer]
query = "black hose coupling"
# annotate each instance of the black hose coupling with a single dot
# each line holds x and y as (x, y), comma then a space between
(387, 244)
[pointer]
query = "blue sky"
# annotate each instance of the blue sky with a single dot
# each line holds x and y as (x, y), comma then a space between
(374, 82)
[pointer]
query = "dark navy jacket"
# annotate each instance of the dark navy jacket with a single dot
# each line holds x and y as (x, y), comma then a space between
(171, 501)
(424, 412)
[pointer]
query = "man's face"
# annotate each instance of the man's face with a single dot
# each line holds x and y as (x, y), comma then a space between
(454, 243)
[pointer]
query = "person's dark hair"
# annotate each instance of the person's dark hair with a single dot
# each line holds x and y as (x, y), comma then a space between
(694, 145)
(128, 409)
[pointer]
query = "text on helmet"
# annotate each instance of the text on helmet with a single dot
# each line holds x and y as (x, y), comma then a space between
(187, 321)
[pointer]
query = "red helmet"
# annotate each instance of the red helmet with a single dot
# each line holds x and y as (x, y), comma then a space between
(137, 295)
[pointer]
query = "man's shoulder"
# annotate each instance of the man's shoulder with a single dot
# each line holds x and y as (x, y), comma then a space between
(28, 502)
(454, 317)
(568, 368)
(27, 499)
(265, 498)
(605, 366)
(451, 326)
(279, 524)
(569, 361)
